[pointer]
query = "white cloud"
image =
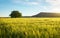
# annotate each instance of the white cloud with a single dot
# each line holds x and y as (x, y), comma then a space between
(33, 3)
(53, 2)
(25, 2)
(54, 5)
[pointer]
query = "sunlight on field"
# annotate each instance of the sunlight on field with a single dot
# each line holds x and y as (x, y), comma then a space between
(29, 27)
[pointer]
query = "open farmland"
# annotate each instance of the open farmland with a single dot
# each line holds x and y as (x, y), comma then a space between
(29, 27)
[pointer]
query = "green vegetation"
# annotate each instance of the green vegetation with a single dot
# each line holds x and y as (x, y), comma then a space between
(29, 27)
(15, 14)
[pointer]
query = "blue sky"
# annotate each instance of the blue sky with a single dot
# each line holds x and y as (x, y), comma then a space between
(28, 7)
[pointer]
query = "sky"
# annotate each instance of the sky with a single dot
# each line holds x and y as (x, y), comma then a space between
(28, 7)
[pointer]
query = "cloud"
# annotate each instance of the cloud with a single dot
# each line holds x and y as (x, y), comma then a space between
(25, 2)
(33, 3)
(53, 2)
(54, 5)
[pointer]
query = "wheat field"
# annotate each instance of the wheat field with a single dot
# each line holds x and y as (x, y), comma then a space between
(29, 27)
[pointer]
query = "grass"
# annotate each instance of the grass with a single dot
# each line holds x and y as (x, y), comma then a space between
(29, 27)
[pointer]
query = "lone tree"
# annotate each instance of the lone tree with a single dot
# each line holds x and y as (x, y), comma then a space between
(15, 14)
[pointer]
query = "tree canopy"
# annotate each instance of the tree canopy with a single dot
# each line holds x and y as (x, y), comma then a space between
(15, 14)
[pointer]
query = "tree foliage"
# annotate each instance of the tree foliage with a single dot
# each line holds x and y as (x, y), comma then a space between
(15, 14)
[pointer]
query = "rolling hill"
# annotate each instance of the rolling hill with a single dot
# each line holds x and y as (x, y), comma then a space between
(47, 14)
